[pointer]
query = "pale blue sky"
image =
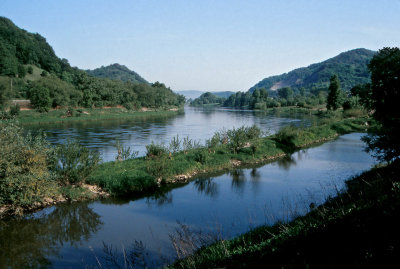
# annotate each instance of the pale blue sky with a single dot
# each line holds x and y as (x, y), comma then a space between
(207, 44)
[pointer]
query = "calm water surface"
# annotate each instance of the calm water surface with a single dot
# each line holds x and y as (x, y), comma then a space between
(72, 235)
(197, 123)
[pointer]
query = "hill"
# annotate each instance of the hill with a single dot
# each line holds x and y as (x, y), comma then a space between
(117, 72)
(350, 66)
(223, 94)
(30, 69)
(196, 94)
(18, 47)
(208, 98)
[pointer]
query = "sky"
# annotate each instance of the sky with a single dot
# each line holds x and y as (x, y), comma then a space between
(207, 45)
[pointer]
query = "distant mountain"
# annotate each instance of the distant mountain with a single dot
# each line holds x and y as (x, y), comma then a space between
(350, 66)
(117, 72)
(196, 94)
(223, 94)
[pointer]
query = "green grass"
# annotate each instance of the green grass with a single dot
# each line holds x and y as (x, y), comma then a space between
(85, 114)
(144, 174)
(356, 229)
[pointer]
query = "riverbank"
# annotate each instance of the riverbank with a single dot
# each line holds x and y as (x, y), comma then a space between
(29, 117)
(356, 229)
(63, 194)
(148, 173)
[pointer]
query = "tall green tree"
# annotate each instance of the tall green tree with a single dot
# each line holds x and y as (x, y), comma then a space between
(384, 141)
(335, 94)
(285, 93)
(40, 98)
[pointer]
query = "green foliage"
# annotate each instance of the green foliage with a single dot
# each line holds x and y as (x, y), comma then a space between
(30, 70)
(117, 72)
(40, 98)
(385, 97)
(141, 174)
(155, 150)
(175, 144)
(75, 162)
(363, 92)
(287, 135)
(285, 92)
(350, 66)
(201, 155)
(4, 96)
(71, 86)
(335, 94)
(124, 153)
(24, 161)
(208, 98)
(21, 71)
(14, 110)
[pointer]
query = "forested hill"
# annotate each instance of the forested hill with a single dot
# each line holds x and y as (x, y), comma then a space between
(117, 72)
(18, 47)
(30, 69)
(350, 66)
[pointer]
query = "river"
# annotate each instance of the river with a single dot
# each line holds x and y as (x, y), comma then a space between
(222, 205)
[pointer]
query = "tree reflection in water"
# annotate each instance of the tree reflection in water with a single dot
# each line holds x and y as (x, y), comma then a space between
(238, 180)
(29, 242)
(206, 186)
(160, 198)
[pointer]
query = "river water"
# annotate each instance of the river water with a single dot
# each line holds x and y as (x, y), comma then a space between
(224, 205)
(196, 123)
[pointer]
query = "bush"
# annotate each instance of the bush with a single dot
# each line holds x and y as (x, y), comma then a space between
(287, 135)
(14, 110)
(175, 144)
(201, 156)
(40, 98)
(75, 162)
(124, 153)
(24, 162)
(155, 150)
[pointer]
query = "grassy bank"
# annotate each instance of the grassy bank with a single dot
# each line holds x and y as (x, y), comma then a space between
(356, 229)
(147, 173)
(86, 114)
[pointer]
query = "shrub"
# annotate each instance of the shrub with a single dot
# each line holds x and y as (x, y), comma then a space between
(175, 144)
(201, 156)
(14, 110)
(75, 162)
(24, 161)
(124, 153)
(155, 150)
(237, 138)
(287, 135)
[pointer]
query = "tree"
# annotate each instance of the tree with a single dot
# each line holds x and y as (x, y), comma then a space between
(40, 98)
(385, 98)
(335, 94)
(285, 93)
(21, 71)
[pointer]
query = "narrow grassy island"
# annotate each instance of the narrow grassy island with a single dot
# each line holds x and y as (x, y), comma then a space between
(184, 158)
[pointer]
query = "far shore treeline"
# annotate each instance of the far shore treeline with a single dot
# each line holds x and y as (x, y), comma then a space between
(30, 69)
(303, 87)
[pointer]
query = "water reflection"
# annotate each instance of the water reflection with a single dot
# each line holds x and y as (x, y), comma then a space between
(206, 186)
(29, 242)
(160, 199)
(238, 180)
